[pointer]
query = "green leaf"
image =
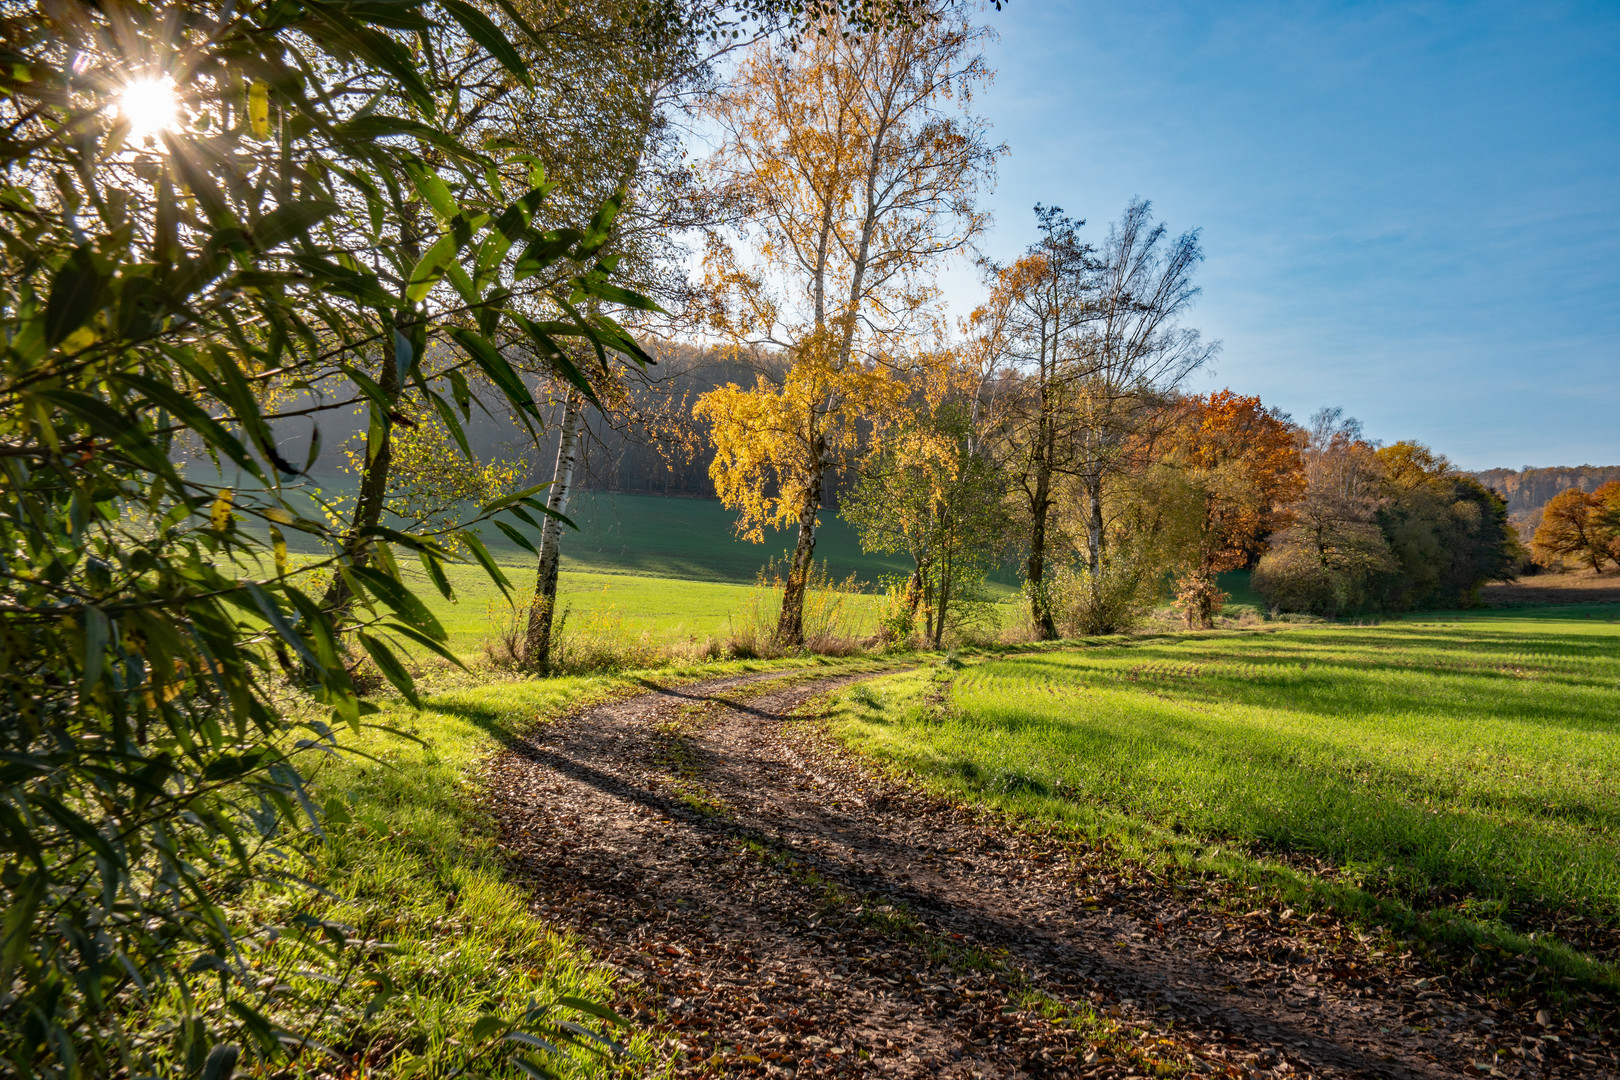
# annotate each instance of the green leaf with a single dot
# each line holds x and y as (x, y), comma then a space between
(194, 417)
(123, 429)
(533, 1069)
(516, 537)
(433, 189)
(390, 666)
(453, 422)
(97, 631)
(435, 573)
(17, 925)
(75, 296)
(426, 642)
(486, 33)
(331, 26)
(370, 128)
(430, 268)
(531, 1040)
(600, 230)
(559, 361)
(278, 621)
(481, 553)
(400, 600)
(291, 220)
(601, 290)
(513, 499)
(485, 1026)
(519, 21)
(595, 1008)
(543, 253)
(336, 811)
(493, 364)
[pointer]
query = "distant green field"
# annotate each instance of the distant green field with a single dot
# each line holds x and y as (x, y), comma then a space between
(1463, 766)
(645, 564)
(601, 604)
(696, 539)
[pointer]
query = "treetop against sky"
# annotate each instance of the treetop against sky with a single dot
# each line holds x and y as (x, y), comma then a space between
(1408, 209)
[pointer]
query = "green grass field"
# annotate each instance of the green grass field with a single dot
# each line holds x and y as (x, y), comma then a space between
(1457, 770)
(674, 570)
(603, 605)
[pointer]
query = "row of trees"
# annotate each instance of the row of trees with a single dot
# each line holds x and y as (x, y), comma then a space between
(1055, 425)
(1383, 528)
(857, 164)
(1330, 523)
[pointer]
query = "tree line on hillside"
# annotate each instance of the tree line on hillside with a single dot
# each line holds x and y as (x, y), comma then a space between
(1528, 489)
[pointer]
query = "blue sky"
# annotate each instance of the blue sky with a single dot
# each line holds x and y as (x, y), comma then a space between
(1408, 210)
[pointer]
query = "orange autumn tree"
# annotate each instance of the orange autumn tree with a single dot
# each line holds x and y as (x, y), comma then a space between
(1582, 525)
(855, 164)
(1238, 467)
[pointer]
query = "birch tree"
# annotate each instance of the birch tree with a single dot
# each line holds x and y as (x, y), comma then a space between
(855, 163)
(1137, 354)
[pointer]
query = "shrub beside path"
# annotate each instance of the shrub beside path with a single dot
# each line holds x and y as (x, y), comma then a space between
(787, 911)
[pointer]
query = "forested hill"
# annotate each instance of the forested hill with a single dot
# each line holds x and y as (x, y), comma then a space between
(1527, 490)
(648, 443)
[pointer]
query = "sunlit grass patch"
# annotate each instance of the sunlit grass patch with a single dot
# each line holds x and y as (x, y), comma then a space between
(1459, 773)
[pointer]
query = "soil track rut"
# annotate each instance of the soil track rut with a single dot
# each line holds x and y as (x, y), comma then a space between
(790, 912)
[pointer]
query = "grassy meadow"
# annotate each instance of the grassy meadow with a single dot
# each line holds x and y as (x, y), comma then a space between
(672, 572)
(1453, 774)
(602, 606)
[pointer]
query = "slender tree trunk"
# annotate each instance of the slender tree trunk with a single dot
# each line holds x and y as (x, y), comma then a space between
(1040, 599)
(914, 593)
(537, 644)
(942, 602)
(1094, 538)
(373, 497)
(1094, 527)
(790, 626)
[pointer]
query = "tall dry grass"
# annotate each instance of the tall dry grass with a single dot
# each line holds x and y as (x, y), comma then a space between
(587, 643)
(833, 625)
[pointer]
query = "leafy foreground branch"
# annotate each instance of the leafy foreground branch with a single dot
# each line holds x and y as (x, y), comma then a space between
(208, 211)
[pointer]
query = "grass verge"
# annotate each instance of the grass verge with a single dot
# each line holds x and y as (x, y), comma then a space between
(1455, 780)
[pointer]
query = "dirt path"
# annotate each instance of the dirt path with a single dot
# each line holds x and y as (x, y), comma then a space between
(792, 914)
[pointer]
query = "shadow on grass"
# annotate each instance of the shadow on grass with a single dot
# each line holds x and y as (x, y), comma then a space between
(1495, 677)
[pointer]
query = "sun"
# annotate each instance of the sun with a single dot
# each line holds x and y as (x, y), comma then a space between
(151, 107)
